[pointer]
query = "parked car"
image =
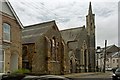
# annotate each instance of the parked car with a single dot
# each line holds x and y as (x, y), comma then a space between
(12, 77)
(45, 77)
(116, 74)
(114, 69)
(108, 69)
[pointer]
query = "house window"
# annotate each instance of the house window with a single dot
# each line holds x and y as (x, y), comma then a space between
(108, 60)
(117, 60)
(1, 60)
(6, 32)
(113, 61)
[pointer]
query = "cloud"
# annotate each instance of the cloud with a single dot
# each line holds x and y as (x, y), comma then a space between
(71, 13)
(107, 29)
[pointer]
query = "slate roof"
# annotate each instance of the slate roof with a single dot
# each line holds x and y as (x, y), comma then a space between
(110, 51)
(32, 32)
(116, 55)
(113, 55)
(71, 34)
(108, 47)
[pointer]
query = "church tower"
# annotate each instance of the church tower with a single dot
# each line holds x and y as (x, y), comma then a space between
(90, 26)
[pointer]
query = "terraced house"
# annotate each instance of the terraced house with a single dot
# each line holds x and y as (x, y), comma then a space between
(10, 39)
(112, 57)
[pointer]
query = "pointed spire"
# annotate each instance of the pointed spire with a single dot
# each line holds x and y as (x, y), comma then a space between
(90, 8)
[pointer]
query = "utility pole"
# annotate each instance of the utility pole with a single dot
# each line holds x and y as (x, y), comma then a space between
(105, 57)
(118, 57)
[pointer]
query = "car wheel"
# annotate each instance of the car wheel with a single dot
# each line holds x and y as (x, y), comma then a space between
(114, 78)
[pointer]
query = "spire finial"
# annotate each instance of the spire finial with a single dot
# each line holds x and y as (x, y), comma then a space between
(90, 8)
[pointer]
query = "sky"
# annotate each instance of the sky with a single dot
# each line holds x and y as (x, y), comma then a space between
(72, 13)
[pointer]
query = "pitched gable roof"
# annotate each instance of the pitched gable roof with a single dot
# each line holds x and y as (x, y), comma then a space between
(32, 32)
(8, 9)
(111, 48)
(71, 34)
(5, 8)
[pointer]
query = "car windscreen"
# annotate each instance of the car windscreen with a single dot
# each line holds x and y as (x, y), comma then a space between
(118, 70)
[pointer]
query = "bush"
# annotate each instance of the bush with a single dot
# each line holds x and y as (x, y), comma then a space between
(21, 71)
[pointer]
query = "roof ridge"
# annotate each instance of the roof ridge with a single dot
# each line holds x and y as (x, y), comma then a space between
(72, 28)
(52, 21)
(109, 46)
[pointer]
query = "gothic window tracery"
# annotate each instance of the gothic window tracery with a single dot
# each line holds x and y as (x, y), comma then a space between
(24, 51)
(53, 49)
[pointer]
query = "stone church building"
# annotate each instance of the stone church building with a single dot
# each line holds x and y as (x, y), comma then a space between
(81, 45)
(44, 50)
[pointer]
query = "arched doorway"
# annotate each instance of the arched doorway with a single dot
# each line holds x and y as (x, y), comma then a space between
(72, 62)
(14, 62)
(25, 61)
(71, 66)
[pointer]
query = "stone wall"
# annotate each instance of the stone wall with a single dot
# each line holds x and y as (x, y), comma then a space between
(14, 46)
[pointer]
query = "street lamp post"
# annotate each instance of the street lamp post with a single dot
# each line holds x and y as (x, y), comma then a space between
(97, 56)
(119, 58)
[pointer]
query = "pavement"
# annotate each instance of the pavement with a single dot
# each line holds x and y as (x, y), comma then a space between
(107, 74)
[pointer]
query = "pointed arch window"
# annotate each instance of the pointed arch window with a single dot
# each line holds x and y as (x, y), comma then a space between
(50, 47)
(25, 51)
(6, 32)
(53, 49)
(53, 42)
